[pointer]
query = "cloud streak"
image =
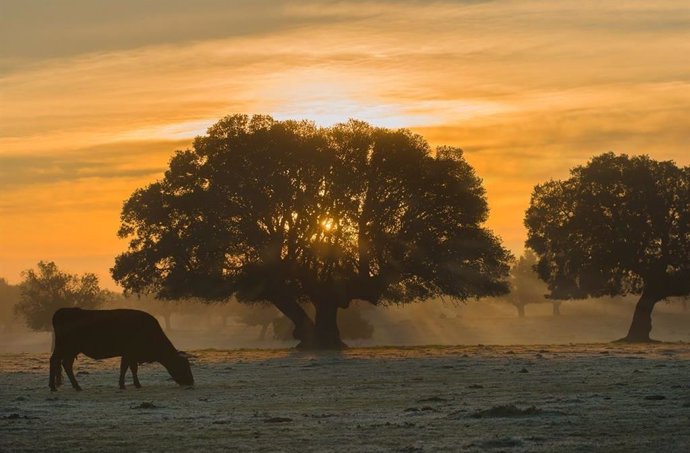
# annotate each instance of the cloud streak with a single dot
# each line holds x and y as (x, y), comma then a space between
(95, 96)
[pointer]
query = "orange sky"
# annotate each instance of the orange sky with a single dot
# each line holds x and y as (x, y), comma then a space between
(95, 96)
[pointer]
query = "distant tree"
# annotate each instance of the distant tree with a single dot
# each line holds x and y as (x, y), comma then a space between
(9, 296)
(46, 289)
(619, 225)
(162, 308)
(526, 287)
(253, 315)
(158, 308)
(285, 212)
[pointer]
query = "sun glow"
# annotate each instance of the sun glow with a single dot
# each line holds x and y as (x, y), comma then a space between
(328, 225)
(330, 96)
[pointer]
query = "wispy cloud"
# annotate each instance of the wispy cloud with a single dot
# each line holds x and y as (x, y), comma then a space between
(111, 161)
(95, 96)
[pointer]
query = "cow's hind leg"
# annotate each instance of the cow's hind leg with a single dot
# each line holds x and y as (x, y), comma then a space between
(124, 364)
(67, 365)
(55, 378)
(134, 366)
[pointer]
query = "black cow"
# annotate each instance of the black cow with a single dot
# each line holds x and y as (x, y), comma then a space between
(135, 335)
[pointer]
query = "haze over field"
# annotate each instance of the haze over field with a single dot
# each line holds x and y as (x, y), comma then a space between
(194, 326)
(95, 96)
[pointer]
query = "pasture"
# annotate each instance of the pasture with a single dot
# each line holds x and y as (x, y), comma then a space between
(598, 397)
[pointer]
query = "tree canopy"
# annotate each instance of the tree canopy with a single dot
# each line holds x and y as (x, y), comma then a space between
(619, 225)
(46, 289)
(287, 212)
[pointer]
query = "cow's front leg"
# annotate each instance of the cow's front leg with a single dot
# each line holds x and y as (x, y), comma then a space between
(124, 363)
(134, 366)
(67, 365)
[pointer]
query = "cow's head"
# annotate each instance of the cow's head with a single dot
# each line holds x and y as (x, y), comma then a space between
(179, 369)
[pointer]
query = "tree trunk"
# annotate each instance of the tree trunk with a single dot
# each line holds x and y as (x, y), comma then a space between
(641, 324)
(556, 308)
(521, 310)
(166, 319)
(327, 333)
(305, 330)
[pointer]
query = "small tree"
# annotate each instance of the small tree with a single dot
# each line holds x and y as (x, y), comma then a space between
(46, 289)
(526, 287)
(619, 225)
(289, 213)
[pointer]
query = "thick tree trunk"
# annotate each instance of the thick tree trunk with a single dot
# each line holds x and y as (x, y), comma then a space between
(641, 324)
(327, 333)
(521, 310)
(556, 308)
(305, 330)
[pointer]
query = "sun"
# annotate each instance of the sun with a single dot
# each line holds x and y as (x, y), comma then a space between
(328, 224)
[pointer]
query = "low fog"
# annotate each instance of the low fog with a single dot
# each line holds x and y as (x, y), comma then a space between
(193, 325)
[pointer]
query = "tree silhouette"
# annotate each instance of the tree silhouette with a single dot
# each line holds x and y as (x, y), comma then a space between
(619, 225)
(47, 289)
(285, 212)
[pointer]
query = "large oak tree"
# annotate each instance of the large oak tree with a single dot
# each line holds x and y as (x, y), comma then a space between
(619, 225)
(290, 213)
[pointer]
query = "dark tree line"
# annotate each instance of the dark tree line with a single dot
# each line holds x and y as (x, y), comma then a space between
(289, 213)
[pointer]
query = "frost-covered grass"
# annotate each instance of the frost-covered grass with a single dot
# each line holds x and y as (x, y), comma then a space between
(605, 397)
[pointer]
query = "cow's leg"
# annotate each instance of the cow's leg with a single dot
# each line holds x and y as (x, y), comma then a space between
(124, 363)
(67, 365)
(58, 373)
(134, 366)
(55, 372)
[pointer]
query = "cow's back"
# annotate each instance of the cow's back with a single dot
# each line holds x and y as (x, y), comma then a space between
(109, 333)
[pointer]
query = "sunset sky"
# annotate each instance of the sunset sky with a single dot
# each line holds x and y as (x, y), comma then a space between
(96, 95)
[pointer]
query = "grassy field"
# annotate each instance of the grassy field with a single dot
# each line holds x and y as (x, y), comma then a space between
(596, 397)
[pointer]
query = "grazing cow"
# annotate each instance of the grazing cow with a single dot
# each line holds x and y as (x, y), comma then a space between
(135, 335)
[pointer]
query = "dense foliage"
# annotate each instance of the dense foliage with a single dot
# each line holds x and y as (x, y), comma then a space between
(618, 225)
(286, 212)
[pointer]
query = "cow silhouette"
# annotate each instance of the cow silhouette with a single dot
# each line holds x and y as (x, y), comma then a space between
(133, 335)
